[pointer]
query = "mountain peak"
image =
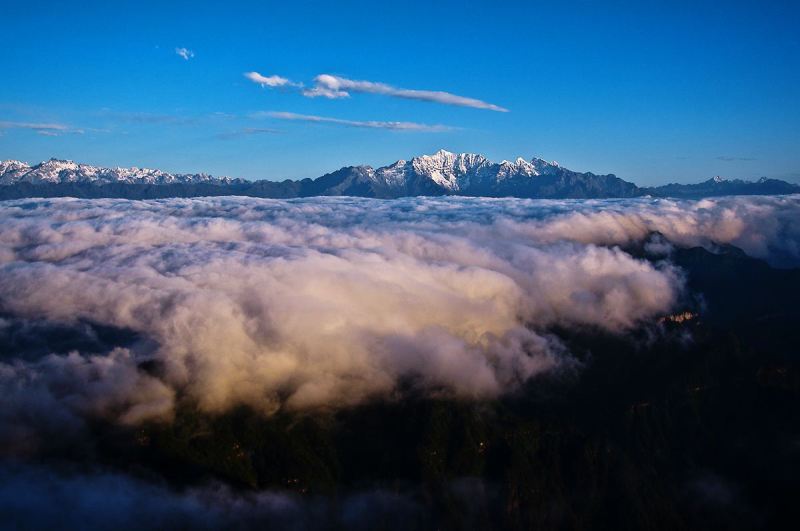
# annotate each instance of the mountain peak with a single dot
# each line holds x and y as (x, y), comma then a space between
(446, 168)
(11, 163)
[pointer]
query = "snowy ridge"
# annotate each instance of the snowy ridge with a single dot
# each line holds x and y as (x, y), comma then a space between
(56, 171)
(442, 173)
(450, 172)
(455, 172)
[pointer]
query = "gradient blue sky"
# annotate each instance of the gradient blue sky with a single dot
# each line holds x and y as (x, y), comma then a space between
(651, 91)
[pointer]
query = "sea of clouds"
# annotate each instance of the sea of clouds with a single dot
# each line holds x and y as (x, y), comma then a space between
(327, 302)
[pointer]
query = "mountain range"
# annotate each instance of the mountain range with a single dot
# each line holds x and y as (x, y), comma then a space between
(443, 173)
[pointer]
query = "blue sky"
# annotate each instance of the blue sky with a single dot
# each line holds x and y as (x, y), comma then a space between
(651, 91)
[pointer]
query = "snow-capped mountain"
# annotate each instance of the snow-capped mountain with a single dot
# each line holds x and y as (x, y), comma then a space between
(443, 173)
(12, 170)
(55, 171)
(460, 172)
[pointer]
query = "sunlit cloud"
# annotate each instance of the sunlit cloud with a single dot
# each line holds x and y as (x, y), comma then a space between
(331, 302)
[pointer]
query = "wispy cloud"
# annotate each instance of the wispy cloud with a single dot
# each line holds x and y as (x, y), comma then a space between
(150, 118)
(146, 117)
(42, 128)
(370, 124)
(270, 81)
(335, 87)
(185, 53)
(734, 159)
(329, 86)
(249, 131)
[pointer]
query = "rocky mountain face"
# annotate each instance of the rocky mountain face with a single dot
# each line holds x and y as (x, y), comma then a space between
(443, 173)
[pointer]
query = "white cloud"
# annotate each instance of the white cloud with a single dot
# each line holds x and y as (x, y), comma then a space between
(329, 86)
(370, 124)
(269, 81)
(335, 87)
(184, 53)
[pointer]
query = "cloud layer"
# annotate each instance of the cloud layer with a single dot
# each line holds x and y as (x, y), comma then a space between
(328, 302)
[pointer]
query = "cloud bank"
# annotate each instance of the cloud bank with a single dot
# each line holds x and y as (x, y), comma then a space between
(326, 302)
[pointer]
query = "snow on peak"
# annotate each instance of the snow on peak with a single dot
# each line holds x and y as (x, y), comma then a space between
(12, 170)
(456, 171)
(448, 169)
(8, 165)
(67, 171)
(452, 172)
(520, 166)
(544, 167)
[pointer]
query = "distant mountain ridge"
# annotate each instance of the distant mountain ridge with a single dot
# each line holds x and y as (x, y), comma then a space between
(718, 186)
(56, 171)
(443, 173)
